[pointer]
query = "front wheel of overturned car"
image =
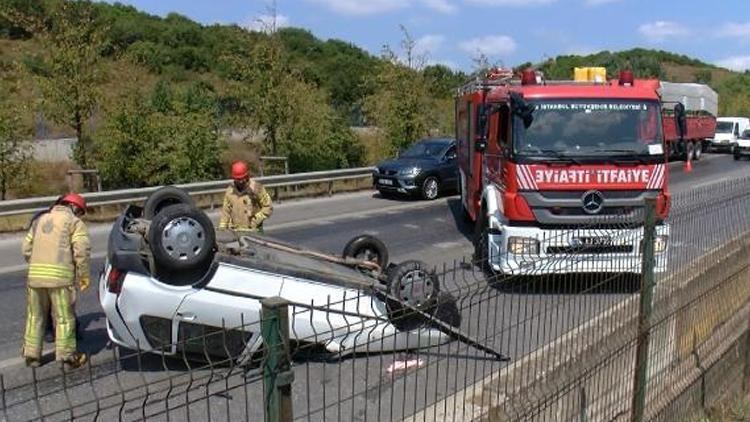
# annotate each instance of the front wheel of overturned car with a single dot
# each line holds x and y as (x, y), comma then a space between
(164, 197)
(182, 238)
(367, 248)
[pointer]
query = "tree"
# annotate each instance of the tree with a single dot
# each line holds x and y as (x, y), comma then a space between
(15, 149)
(173, 140)
(294, 116)
(401, 104)
(74, 38)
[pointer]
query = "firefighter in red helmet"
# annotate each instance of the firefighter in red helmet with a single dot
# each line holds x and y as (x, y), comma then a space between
(57, 248)
(246, 202)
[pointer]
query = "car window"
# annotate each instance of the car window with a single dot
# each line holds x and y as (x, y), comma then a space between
(745, 134)
(451, 153)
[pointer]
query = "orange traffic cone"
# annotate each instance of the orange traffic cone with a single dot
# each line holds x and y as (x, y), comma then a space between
(688, 166)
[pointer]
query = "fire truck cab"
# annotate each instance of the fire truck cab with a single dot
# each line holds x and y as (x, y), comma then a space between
(554, 174)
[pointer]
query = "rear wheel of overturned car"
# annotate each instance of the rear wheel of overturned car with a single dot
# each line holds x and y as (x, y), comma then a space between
(164, 197)
(182, 238)
(412, 289)
(367, 248)
(430, 188)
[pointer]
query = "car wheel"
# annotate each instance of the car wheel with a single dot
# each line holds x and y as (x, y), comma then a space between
(368, 248)
(411, 285)
(737, 156)
(430, 188)
(697, 151)
(182, 238)
(164, 197)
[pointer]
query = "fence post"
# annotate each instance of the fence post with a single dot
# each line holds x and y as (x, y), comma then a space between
(640, 380)
(277, 373)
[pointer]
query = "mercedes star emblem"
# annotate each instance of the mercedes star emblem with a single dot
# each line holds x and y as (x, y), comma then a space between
(592, 201)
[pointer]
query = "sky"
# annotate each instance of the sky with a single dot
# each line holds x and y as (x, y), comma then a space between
(508, 32)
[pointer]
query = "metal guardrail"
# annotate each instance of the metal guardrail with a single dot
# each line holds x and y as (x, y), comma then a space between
(30, 205)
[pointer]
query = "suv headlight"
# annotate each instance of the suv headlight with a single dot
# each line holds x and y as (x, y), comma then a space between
(523, 245)
(410, 171)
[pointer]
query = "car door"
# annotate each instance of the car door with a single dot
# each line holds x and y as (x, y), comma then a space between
(147, 308)
(449, 167)
(223, 316)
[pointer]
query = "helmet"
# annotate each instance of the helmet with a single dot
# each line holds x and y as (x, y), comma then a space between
(239, 170)
(75, 199)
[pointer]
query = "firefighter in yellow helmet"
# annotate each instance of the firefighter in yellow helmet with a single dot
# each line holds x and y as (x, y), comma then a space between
(58, 250)
(246, 202)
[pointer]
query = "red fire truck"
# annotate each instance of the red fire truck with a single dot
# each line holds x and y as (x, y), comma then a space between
(555, 174)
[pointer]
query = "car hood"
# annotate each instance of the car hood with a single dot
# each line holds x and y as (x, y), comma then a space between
(402, 163)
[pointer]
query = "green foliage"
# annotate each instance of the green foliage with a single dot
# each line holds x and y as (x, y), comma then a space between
(70, 70)
(15, 149)
(162, 138)
(703, 76)
(294, 116)
(734, 95)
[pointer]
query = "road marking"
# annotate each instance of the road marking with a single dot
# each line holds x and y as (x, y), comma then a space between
(411, 226)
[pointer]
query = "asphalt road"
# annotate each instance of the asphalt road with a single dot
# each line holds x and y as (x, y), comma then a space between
(516, 322)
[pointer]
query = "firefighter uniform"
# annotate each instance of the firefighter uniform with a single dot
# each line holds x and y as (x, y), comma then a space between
(57, 248)
(247, 209)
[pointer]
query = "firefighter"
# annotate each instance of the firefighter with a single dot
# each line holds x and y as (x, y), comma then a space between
(57, 249)
(246, 202)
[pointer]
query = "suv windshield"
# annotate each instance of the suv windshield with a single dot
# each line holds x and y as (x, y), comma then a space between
(724, 127)
(600, 127)
(424, 150)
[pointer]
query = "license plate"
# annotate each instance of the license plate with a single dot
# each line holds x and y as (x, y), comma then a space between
(591, 241)
(385, 182)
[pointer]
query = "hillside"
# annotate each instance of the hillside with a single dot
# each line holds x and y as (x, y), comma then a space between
(203, 95)
(733, 87)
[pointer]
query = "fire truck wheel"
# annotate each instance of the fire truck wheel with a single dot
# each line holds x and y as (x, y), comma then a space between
(481, 246)
(697, 151)
(430, 188)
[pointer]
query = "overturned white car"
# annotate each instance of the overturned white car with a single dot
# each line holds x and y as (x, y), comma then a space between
(168, 281)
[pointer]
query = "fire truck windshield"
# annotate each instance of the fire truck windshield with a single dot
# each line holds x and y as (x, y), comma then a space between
(590, 128)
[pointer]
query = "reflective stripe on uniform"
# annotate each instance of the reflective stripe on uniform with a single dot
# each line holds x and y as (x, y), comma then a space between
(50, 271)
(80, 236)
(29, 237)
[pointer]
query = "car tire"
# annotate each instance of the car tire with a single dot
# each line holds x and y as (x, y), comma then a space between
(481, 247)
(164, 197)
(368, 248)
(182, 239)
(430, 188)
(411, 285)
(737, 156)
(697, 151)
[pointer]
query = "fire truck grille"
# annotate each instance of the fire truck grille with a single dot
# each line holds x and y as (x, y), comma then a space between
(566, 207)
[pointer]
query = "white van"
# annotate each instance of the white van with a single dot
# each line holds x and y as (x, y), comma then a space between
(728, 130)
